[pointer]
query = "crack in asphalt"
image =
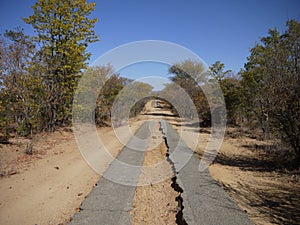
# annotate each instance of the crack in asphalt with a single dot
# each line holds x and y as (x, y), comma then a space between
(179, 215)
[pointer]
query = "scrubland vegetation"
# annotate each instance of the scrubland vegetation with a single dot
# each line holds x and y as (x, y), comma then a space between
(39, 76)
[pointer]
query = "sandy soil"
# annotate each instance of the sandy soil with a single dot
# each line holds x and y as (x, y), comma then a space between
(48, 186)
(155, 203)
(245, 171)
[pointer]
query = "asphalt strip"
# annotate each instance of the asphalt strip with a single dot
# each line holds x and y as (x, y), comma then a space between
(111, 200)
(203, 200)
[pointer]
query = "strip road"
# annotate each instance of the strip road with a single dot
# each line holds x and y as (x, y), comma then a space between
(203, 200)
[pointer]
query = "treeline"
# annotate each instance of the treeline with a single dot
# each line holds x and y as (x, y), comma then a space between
(104, 98)
(265, 94)
(39, 75)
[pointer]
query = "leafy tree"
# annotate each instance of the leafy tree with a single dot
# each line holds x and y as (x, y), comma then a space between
(125, 104)
(231, 90)
(217, 71)
(142, 93)
(107, 96)
(189, 69)
(96, 94)
(271, 82)
(64, 30)
(18, 95)
(188, 75)
(86, 100)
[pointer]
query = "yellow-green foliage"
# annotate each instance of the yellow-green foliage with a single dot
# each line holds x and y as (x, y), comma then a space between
(64, 31)
(38, 84)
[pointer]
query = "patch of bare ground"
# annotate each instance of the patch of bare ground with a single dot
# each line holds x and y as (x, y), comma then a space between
(252, 174)
(48, 186)
(155, 203)
(250, 170)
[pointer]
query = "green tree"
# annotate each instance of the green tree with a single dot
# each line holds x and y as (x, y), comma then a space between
(217, 71)
(64, 31)
(189, 75)
(125, 104)
(230, 86)
(271, 82)
(107, 96)
(19, 88)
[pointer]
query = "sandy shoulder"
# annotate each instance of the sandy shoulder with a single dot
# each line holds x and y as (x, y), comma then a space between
(48, 188)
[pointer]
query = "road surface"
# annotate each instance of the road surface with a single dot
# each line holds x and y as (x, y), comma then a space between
(202, 200)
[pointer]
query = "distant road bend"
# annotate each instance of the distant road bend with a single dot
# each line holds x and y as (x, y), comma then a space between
(202, 200)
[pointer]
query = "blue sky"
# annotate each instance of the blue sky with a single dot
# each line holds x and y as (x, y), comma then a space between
(215, 30)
